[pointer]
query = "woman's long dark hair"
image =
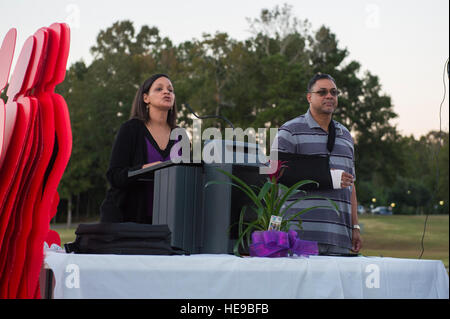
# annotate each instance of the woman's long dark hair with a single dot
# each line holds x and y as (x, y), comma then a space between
(139, 107)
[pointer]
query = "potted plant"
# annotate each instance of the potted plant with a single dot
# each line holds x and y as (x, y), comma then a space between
(269, 203)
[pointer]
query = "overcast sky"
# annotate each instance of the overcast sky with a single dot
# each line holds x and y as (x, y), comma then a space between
(404, 42)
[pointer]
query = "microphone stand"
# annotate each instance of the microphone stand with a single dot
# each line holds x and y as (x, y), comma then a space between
(208, 116)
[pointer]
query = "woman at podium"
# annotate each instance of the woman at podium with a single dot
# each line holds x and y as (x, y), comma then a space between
(142, 141)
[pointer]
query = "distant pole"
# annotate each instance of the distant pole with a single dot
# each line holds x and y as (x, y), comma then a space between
(69, 212)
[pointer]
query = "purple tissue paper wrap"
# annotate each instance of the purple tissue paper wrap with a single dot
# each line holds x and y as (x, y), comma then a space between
(274, 243)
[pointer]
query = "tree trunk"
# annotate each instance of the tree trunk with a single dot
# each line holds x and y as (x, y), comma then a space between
(69, 212)
(77, 210)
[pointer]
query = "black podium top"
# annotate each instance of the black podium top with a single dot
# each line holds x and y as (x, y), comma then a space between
(147, 174)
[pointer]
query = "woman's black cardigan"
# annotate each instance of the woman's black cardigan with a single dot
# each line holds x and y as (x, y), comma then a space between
(126, 200)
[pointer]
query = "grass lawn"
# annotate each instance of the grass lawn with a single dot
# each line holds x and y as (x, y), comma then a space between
(388, 236)
(400, 236)
(67, 235)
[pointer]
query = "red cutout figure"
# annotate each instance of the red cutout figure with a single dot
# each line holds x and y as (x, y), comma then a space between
(20, 127)
(63, 142)
(17, 153)
(35, 146)
(45, 134)
(31, 181)
(6, 57)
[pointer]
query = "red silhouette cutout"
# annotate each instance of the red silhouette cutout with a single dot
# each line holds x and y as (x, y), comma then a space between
(63, 143)
(11, 165)
(35, 147)
(24, 213)
(6, 57)
(46, 140)
(19, 152)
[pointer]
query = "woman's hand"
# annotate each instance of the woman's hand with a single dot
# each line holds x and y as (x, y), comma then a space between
(151, 164)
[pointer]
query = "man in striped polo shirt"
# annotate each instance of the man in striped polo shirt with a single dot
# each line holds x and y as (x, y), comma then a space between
(308, 134)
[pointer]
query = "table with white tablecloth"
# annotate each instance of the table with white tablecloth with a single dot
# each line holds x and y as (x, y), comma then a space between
(206, 276)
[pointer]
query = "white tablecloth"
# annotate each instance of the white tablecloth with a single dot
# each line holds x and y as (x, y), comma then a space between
(227, 276)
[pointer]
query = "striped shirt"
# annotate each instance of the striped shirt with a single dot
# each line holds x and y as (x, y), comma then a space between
(303, 135)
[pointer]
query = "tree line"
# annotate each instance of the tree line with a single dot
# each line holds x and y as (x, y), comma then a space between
(257, 82)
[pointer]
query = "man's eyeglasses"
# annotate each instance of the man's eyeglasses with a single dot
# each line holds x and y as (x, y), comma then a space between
(324, 92)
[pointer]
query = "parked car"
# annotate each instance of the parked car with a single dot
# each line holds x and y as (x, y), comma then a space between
(361, 209)
(381, 210)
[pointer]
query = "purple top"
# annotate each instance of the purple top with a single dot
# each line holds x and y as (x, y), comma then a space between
(154, 154)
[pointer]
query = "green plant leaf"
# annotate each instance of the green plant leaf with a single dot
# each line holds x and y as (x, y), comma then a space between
(241, 220)
(243, 186)
(284, 188)
(291, 191)
(263, 216)
(250, 226)
(241, 230)
(250, 194)
(298, 224)
(334, 206)
(264, 190)
(293, 216)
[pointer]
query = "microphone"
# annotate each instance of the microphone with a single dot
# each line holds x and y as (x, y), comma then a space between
(208, 116)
